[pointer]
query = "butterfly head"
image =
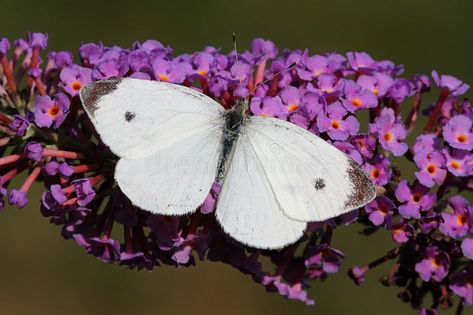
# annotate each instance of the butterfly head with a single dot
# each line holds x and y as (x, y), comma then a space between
(241, 106)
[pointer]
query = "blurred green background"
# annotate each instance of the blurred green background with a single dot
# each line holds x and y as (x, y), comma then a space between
(40, 273)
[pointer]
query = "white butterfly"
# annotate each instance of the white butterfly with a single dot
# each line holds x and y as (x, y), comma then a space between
(174, 142)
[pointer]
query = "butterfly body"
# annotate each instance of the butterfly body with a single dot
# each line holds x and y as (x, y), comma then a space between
(175, 142)
(234, 119)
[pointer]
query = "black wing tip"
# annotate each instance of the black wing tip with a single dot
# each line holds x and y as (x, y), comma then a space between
(363, 188)
(90, 94)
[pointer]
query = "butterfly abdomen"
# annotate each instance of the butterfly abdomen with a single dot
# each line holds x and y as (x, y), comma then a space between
(233, 121)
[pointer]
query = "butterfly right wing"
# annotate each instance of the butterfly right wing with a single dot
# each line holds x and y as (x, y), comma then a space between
(167, 136)
(247, 208)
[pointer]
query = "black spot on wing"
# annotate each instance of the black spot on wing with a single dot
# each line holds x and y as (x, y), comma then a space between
(91, 93)
(319, 183)
(363, 189)
(129, 116)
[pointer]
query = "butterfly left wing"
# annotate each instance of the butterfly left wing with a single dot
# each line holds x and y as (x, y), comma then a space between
(312, 180)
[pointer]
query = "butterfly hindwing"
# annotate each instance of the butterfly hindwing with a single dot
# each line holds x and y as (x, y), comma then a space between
(247, 208)
(174, 180)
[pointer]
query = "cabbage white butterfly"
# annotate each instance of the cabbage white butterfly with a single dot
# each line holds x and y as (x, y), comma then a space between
(174, 142)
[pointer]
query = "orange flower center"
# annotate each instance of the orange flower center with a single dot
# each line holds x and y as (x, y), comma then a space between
(383, 209)
(462, 138)
(292, 107)
(416, 197)
(53, 111)
(356, 102)
(461, 219)
(335, 124)
(327, 90)
(263, 114)
(360, 143)
(317, 73)
(388, 136)
(435, 262)
(202, 72)
(375, 91)
(163, 77)
(431, 168)
(374, 173)
(397, 231)
(76, 85)
(455, 165)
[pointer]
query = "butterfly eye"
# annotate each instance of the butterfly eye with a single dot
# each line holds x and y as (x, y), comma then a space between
(129, 116)
(319, 183)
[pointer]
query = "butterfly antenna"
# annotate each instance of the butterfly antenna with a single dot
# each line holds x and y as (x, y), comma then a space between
(275, 75)
(235, 47)
(236, 51)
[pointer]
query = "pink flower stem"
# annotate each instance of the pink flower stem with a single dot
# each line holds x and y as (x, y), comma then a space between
(12, 173)
(96, 179)
(68, 190)
(5, 119)
(84, 168)
(412, 117)
(34, 63)
(70, 202)
(63, 154)
(7, 70)
(31, 178)
(40, 86)
(4, 141)
(437, 109)
(193, 225)
(205, 85)
(260, 72)
(10, 159)
(273, 88)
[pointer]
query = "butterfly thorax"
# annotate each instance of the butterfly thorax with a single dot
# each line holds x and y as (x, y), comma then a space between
(234, 118)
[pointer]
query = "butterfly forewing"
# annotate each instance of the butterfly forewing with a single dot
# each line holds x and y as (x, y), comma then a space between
(136, 117)
(312, 180)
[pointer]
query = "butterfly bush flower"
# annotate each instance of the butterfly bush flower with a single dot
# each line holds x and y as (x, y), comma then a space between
(74, 78)
(48, 138)
(336, 123)
(458, 223)
(414, 199)
(434, 265)
(51, 112)
(458, 132)
(389, 132)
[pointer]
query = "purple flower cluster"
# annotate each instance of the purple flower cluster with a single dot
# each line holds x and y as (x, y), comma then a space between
(430, 220)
